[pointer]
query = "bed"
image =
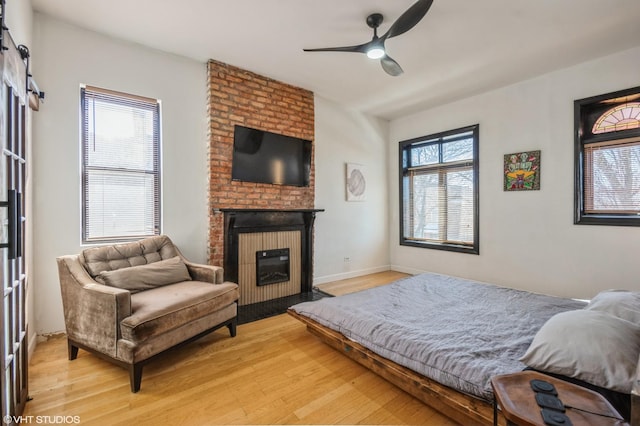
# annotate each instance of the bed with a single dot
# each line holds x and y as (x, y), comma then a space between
(437, 337)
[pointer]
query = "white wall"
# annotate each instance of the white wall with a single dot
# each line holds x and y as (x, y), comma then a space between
(354, 230)
(528, 239)
(19, 20)
(66, 57)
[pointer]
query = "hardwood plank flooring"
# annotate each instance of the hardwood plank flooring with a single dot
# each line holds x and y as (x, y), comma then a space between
(351, 285)
(272, 372)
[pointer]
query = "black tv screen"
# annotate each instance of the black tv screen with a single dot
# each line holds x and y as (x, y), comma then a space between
(264, 157)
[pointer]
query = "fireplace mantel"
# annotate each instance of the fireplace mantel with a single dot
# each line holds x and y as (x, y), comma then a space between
(238, 221)
(262, 211)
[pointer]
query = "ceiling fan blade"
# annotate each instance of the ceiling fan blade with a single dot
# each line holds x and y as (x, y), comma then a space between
(361, 48)
(409, 19)
(390, 66)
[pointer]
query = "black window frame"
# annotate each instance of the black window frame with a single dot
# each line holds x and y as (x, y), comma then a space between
(404, 166)
(126, 99)
(586, 113)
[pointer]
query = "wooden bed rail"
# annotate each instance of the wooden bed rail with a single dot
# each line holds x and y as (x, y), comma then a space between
(463, 408)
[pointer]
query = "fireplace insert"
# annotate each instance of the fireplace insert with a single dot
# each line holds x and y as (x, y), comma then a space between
(272, 266)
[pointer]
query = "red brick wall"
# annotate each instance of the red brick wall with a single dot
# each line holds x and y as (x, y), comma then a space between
(241, 97)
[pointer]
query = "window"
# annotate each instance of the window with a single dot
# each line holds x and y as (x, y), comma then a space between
(120, 165)
(439, 191)
(607, 159)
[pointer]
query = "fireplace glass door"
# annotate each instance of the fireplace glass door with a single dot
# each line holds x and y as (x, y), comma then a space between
(272, 266)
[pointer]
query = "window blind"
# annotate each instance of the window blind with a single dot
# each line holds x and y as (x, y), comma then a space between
(120, 165)
(612, 177)
(441, 205)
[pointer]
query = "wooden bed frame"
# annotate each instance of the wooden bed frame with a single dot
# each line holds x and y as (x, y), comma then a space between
(463, 408)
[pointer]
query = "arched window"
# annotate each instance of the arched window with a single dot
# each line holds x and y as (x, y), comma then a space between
(621, 117)
(607, 159)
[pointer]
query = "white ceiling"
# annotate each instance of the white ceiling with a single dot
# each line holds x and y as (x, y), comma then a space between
(461, 47)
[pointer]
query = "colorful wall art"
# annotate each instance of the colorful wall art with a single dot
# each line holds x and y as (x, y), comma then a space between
(522, 171)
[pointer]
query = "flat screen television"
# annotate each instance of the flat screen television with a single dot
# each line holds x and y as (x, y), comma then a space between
(264, 157)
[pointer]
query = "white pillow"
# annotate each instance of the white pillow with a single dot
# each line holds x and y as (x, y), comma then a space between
(619, 303)
(588, 345)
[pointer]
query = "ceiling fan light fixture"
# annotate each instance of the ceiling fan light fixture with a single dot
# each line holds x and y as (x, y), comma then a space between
(374, 49)
(376, 52)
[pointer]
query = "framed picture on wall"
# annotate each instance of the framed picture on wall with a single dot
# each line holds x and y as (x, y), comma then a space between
(522, 171)
(356, 182)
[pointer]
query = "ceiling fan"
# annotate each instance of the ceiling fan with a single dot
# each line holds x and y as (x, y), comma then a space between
(375, 48)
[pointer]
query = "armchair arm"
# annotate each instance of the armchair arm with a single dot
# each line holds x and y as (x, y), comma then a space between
(206, 273)
(92, 311)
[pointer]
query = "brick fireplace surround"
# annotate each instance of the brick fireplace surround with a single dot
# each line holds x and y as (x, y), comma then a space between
(237, 96)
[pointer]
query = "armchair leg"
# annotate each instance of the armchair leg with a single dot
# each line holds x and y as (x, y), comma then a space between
(73, 350)
(232, 326)
(135, 376)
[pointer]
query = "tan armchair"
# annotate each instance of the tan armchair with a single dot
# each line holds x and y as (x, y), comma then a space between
(127, 303)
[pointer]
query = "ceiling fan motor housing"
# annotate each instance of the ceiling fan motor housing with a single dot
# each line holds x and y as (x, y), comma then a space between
(374, 20)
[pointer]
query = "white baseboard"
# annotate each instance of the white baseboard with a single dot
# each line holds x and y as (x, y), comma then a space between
(350, 274)
(406, 270)
(33, 342)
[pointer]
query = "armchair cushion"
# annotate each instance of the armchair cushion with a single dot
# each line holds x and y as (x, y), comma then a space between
(166, 308)
(146, 277)
(109, 258)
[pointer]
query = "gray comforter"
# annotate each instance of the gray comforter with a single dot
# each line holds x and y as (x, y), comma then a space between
(457, 332)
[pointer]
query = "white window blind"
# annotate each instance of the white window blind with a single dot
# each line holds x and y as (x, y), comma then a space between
(612, 177)
(120, 165)
(441, 205)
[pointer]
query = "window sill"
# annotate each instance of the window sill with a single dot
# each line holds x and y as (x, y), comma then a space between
(115, 240)
(437, 246)
(607, 220)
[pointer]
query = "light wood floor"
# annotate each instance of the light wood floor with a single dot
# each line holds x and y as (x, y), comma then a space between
(272, 372)
(350, 285)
